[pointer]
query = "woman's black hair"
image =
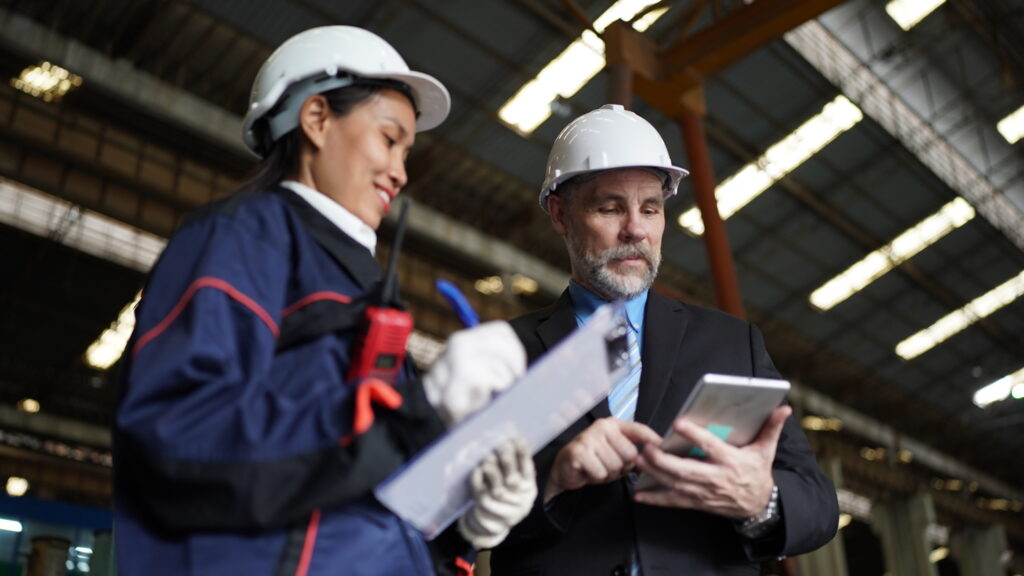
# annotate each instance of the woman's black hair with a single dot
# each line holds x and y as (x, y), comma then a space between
(282, 155)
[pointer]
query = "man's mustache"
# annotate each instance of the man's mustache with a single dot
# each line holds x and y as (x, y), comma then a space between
(627, 251)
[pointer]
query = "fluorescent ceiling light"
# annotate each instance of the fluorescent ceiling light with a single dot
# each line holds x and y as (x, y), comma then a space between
(16, 486)
(10, 525)
(872, 454)
(780, 159)
(873, 266)
(907, 13)
(89, 232)
(524, 285)
(1012, 127)
(844, 520)
(1001, 389)
(938, 555)
(853, 503)
(492, 285)
(821, 424)
(73, 226)
(46, 81)
(940, 151)
(572, 69)
(110, 345)
(957, 320)
(424, 349)
(1001, 504)
(949, 484)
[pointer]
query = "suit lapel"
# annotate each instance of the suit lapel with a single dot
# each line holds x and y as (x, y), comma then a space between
(664, 325)
(559, 324)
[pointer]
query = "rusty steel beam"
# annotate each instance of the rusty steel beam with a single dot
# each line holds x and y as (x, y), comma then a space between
(579, 14)
(662, 76)
(716, 241)
(620, 85)
(741, 32)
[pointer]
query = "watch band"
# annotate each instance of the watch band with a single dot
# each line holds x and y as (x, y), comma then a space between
(762, 523)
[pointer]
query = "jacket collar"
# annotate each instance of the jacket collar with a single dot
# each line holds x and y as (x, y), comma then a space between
(348, 222)
(355, 258)
(560, 322)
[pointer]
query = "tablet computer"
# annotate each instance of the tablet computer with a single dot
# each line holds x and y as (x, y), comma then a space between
(734, 408)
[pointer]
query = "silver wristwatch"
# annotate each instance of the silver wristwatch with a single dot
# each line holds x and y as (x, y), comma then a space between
(762, 523)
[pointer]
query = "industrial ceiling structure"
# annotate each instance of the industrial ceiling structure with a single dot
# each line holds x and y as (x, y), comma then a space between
(150, 129)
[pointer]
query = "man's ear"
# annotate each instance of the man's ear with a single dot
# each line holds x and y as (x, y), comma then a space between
(314, 118)
(556, 211)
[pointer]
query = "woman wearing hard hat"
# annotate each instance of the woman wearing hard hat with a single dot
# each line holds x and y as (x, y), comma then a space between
(241, 445)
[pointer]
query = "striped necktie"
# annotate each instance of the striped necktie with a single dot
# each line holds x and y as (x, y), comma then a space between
(622, 404)
(622, 400)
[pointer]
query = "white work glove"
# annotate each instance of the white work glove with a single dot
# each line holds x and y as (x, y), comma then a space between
(476, 364)
(504, 487)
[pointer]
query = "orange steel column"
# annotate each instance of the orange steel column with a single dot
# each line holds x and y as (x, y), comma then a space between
(620, 53)
(715, 240)
(620, 85)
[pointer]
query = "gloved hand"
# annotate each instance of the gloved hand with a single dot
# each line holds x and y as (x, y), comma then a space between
(504, 487)
(476, 364)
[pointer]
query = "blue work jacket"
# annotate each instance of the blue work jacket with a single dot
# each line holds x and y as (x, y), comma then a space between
(235, 451)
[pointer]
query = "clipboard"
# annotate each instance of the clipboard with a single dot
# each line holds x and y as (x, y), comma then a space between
(432, 490)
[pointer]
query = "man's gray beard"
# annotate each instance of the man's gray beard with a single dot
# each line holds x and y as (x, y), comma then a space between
(596, 272)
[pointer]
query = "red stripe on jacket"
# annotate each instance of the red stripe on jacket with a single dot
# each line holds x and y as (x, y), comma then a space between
(307, 545)
(205, 282)
(316, 297)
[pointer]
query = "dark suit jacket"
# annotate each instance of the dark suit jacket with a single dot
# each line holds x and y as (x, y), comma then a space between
(592, 530)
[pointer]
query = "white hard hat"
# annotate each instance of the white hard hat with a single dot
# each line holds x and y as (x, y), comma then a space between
(322, 59)
(605, 139)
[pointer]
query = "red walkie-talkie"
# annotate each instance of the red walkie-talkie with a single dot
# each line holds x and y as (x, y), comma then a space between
(384, 331)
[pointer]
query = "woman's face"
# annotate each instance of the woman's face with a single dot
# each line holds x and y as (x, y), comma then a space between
(360, 160)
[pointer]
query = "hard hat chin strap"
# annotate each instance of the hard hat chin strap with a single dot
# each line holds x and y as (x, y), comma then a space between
(285, 116)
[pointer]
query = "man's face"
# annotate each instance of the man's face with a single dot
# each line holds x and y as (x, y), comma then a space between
(612, 227)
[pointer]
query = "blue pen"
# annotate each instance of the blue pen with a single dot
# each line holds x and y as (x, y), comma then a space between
(458, 302)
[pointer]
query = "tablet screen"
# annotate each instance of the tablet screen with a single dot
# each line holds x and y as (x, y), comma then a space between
(734, 408)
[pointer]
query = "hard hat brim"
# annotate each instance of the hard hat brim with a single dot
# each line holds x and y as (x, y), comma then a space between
(433, 102)
(675, 174)
(432, 99)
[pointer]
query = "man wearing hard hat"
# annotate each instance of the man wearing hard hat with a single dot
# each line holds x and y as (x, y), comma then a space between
(608, 176)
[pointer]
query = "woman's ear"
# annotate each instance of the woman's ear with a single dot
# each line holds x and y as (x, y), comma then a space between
(314, 118)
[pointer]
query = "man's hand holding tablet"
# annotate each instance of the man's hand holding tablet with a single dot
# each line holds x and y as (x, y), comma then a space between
(718, 455)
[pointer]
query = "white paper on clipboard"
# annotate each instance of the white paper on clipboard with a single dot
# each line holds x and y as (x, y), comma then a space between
(432, 489)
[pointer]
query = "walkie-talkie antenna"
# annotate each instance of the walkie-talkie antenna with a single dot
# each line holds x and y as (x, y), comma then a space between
(389, 293)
